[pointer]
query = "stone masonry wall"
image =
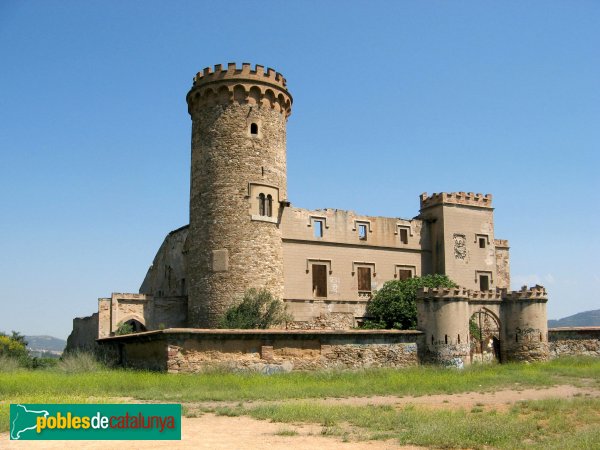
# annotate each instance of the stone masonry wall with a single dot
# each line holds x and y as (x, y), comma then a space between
(266, 351)
(581, 341)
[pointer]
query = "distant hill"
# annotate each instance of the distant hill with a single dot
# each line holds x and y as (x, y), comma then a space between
(583, 319)
(45, 343)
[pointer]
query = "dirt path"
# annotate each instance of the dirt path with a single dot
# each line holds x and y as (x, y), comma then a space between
(221, 432)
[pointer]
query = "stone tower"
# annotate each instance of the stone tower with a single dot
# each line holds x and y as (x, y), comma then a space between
(238, 187)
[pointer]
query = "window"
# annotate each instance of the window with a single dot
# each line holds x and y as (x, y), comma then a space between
(484, 282)
(319, 280)
(318, 228)
(362, 231)
(481, 242)
(404, 274)
(269, 206)
(364, 280)
(261, 204)
(253, 128)
(403, 235)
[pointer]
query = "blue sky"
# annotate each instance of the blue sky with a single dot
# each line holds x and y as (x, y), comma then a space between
(391, 99)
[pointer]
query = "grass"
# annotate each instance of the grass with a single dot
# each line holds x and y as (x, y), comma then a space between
(86, 383)
(540, 424)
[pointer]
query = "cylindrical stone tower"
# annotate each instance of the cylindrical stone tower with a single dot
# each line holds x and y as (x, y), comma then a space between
(525, 325)
(238, 187)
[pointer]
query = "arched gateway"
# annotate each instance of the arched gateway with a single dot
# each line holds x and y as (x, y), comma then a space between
(463, 326)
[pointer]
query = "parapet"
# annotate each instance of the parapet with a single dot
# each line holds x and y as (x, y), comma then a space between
(244, 85)
(442, 293)
(534, 293)
(456, 198)
(501, 243)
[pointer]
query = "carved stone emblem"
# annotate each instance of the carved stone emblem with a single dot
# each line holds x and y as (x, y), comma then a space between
(460, 246)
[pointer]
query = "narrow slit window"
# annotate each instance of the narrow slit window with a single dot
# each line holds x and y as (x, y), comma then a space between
(253, 128)
(362, 232)
(319, 280)
(269, 206)
(261, 204)
(404, 235)
(318, 228)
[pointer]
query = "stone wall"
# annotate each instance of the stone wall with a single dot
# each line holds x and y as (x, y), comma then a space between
(329, 321)
(266, 351)
(580, 341)
(84, 334)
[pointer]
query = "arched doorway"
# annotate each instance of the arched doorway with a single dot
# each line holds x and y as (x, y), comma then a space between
(136, 325)
(484, 335)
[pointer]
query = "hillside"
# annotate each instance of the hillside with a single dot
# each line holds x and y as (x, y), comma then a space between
(45, 343)
(583, 319)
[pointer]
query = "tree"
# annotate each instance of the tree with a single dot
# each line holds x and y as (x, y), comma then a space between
(14, 347)
(394, 305)
(258, 309)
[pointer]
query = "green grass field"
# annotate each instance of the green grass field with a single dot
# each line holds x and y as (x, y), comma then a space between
(531, 422)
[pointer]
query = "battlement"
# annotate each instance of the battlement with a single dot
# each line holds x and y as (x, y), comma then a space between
(536, 292)
(456, 198)
(223, 86)
(502, 243)
(447, 293)
(486, 295)
(246, 73)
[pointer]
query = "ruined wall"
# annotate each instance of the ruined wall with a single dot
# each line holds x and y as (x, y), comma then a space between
(574, 341)
(84, 334)
(232, 244)
(324, 321)
(502, 264)
(167, 275)
(266, 351)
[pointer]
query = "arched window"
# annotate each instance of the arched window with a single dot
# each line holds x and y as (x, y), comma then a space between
(269, 206)
(261, 204)
(253, 128)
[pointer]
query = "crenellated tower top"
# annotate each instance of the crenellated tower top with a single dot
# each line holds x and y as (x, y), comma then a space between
(456, 198)
(242, 85)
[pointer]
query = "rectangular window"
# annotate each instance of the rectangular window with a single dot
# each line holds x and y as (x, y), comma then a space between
(481, 242)
(364, 279)
(362, 232)
(404, 274)
(319, 280)
(318, 228)
(404, 235)
(484, 283)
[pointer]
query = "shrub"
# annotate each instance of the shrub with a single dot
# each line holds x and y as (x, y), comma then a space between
(124, 328)
(258, 309)
(8, 364)
(14, 347)
(394, 305)
(77, 362)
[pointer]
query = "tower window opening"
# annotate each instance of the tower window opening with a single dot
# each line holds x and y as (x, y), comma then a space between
(253, 128)
(318, 228)
(446, 338)
(481, 242)
(404, 274)
(261, 204)
(269, 206)
(362, 232)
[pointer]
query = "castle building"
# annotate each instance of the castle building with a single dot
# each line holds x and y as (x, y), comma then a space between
(244, 232)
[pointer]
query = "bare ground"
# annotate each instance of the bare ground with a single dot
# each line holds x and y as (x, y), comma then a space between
(221, 432)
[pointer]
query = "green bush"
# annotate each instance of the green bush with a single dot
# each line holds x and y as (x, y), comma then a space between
(14, 347)
(124, 328)
(258, 309)
(394, 305)
(78, 362)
